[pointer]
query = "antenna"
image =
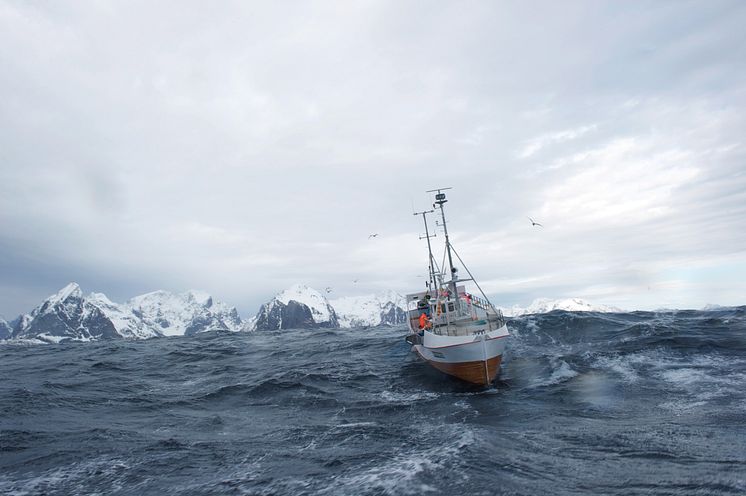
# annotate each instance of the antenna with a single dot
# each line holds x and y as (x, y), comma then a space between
(440, 199)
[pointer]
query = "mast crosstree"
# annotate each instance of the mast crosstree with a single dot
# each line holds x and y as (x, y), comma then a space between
(431, 267)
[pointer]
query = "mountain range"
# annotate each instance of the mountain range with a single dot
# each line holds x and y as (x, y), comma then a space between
(70, 315)
(545, 305)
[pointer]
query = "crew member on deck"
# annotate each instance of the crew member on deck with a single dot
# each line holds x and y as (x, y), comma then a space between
(425, 322)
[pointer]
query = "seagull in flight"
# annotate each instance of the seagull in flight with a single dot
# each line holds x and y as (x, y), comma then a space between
(372, 235)
(534, 223)
(328, 290)
(355, 281)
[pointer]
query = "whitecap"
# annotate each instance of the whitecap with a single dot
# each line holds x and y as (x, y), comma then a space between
(561, 371)
(355, 424)
(397, 397)
(401, 474)
(621, 366)
(680, 407)
(684, 376)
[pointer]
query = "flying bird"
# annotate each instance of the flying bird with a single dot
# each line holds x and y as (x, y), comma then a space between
(328, 290)
(372, 235)
(355, 281)
(534, 223)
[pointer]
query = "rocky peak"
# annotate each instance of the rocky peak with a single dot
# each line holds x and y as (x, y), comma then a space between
(298, 306)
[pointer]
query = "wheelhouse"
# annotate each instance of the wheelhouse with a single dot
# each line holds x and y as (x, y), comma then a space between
(452, 315)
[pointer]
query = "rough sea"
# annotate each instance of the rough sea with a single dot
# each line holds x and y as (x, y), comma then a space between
(587, 403)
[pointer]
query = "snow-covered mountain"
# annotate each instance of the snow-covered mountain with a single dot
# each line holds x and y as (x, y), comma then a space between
(297, 306)
(183, 314)
(5, 329)
(68, 315)
(125, 322)
(370, 310)
(302, 306)
(711, 307)
(545, 305)
(65, 315)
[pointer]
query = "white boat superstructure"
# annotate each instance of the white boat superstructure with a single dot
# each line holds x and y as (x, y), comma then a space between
(456, 332)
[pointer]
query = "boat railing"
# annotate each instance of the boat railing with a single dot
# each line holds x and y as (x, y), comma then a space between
(475, 307)
(449, 316)
(452, 316)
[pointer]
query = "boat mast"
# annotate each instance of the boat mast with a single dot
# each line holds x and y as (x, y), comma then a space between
(440, 199)
(431, 261)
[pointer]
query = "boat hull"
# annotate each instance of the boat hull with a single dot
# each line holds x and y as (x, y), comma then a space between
(475, 358)
(479, 372)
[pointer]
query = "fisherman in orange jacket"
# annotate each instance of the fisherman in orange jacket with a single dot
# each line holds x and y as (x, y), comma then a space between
(424, 322)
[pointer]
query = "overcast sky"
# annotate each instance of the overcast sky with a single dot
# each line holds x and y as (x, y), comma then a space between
(242, 147)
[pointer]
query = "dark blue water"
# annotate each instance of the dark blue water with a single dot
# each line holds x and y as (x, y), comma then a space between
(587, 403)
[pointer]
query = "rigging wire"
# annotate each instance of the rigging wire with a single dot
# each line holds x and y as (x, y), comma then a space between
(442, 264)
(475, 282)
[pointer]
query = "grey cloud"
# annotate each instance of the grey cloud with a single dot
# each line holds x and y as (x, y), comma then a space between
(243, 148)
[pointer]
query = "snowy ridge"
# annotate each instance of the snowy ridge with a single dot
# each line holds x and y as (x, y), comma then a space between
(545, 305)
(368, 310)
(68, 315)
(296, 307)
(5, 329)
(182, 314)
(126, 323)
(303, 306)
(711, 307)
(68, 293)
(64, 315)
(321, 310)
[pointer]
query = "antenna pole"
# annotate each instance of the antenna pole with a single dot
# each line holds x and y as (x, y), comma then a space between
(431, 262)
(440, 199)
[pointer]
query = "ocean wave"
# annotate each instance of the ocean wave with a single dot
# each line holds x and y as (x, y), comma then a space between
(619, 403)
(409, 471)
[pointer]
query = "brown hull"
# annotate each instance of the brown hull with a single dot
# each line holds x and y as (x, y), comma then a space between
(473, 372)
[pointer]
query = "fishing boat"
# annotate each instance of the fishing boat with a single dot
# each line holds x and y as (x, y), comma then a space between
(455, 331)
